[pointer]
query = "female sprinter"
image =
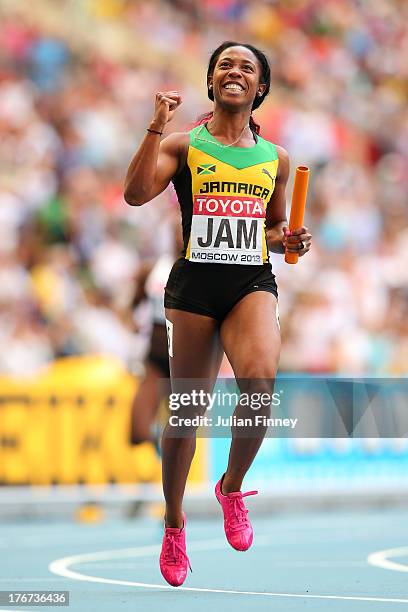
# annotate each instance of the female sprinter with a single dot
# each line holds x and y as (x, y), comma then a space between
(221, 293)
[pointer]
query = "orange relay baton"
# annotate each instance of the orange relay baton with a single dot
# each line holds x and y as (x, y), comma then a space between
(297, 209)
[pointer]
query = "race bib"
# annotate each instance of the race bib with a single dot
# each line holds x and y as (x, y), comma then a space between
(227, 229)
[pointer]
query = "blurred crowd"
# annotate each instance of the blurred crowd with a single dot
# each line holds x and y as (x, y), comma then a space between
(77, 84)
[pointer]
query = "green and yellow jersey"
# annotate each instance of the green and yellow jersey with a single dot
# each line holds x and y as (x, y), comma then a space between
(223, 194)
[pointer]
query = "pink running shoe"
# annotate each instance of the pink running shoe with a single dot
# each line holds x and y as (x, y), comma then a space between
(237, 527)
(173, 556)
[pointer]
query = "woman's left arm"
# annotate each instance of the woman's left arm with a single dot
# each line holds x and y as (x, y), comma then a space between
(278, 235)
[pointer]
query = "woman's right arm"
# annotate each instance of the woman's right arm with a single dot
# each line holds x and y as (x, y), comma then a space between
(155, 163)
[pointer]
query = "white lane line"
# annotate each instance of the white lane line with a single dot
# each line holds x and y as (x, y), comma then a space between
(103, 565)
(381, 558)
(61, 568)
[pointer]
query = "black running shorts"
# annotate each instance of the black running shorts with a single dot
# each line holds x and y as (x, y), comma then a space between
(158, 355)
(213, 289)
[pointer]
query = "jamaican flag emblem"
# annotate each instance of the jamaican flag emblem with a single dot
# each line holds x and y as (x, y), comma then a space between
(206, 169)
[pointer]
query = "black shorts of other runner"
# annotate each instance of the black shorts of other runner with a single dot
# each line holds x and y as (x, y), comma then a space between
(158, 351)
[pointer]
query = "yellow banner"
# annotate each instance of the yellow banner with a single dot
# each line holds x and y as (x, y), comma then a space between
(71, 425)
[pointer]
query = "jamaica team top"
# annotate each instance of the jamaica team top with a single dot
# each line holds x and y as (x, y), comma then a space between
(223, 193)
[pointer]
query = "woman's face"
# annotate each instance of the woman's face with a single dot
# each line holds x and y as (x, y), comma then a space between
(236, 78)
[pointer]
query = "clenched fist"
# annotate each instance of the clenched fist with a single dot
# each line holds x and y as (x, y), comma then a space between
(165, 106)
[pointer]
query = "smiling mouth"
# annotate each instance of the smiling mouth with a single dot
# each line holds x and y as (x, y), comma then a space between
(235, 87)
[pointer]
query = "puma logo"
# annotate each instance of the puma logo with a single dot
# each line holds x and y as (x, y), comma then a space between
(265, 171)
